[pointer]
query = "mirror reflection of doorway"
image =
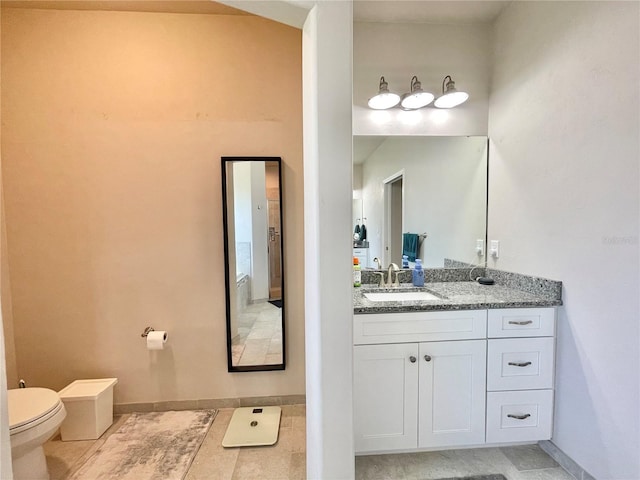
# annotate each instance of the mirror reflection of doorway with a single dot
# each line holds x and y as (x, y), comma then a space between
(275, 272)
(272, 187)
(393, 218)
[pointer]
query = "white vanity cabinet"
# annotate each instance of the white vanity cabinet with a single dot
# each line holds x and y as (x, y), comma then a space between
(428, 380)
(425, 387)
(520, 374)
(419, 395)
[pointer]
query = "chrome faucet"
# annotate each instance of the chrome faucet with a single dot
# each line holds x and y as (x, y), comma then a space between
(381, 284)
(392, 268)
(377, 262)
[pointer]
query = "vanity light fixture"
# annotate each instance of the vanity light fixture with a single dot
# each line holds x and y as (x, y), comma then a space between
(384, 99)
(417, 98)
(450, 96)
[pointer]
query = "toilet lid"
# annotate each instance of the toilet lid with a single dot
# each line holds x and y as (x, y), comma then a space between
(29, 404)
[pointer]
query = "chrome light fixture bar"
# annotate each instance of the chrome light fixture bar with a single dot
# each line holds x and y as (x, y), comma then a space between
(450, 96)
(417, 98)
(384, 99)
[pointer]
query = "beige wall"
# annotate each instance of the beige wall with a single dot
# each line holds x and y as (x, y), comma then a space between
(5, 300)
(7, 314)
(113, 128)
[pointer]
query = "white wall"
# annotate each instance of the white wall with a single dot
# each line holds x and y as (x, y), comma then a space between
(259, 227)
(445, 182)
(400, 51)
(239, 227)
(327, 79)
(564, 121)
(5, 442)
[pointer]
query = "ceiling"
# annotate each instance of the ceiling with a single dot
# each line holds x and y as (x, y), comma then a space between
(425, 11)
(364, 146)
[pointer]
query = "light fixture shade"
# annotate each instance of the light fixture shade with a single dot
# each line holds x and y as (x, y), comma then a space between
(384, 99)
(450, 96)
(418, 98)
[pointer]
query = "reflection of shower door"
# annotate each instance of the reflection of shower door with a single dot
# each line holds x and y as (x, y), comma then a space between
(275, 264)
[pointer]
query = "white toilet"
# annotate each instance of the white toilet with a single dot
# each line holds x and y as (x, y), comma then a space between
(35, 414)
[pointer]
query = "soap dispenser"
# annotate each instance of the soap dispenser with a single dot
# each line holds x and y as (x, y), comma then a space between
(357, 274)
(418, 274)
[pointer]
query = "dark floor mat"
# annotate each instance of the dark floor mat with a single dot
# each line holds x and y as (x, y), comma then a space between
(276, 303)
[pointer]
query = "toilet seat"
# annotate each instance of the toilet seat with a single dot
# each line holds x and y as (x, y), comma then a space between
(29, 407)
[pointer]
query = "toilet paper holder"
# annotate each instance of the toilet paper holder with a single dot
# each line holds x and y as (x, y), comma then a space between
(147, 331)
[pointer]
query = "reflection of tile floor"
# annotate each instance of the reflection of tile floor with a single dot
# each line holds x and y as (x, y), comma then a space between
(259, 339)
(286, 459)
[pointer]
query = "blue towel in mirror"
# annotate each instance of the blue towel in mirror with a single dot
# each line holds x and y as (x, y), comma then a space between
(410, 246)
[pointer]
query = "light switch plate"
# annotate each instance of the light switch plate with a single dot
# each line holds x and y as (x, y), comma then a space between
(495, 248)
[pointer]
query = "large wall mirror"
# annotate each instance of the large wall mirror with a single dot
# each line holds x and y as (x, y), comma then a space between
(252, 216)
(434, 187)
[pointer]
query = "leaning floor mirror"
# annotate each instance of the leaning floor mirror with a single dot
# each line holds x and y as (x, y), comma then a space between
(253, 248)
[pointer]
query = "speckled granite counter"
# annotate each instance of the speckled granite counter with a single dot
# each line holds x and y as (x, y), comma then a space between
(466, 295)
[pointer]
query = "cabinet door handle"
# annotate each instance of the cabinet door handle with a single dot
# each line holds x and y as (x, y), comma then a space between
(427, 358)
(520, 322)
(412, 359)
(519, 417)
(520, 364)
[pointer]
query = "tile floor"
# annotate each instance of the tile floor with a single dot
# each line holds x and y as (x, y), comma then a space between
(286, 459)
(259, 339)
(523, 462)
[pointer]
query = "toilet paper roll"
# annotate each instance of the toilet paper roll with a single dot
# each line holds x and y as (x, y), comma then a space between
(156, 340)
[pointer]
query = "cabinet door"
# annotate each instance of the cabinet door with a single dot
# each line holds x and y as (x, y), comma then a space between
(385, 397)
(452, 393)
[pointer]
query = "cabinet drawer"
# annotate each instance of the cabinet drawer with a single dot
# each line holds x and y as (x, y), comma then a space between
(419, 326)
(520, 363)
(519, 416)
(521, 322)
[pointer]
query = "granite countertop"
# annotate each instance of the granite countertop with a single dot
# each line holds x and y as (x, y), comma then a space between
(454, 295)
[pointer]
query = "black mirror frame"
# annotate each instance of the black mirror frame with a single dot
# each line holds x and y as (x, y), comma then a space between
(227, 266)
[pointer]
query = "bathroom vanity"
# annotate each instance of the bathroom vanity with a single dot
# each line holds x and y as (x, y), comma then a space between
(473, 365)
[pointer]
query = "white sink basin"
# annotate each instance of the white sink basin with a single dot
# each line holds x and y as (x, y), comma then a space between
(400, 296)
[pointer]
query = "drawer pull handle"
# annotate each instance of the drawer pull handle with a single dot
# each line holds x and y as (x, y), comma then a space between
(412, 359)
(519, 417)
(520, 364)
(520, 322)
(427, 358)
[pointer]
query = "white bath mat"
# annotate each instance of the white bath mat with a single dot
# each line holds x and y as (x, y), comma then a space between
(252, 427)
